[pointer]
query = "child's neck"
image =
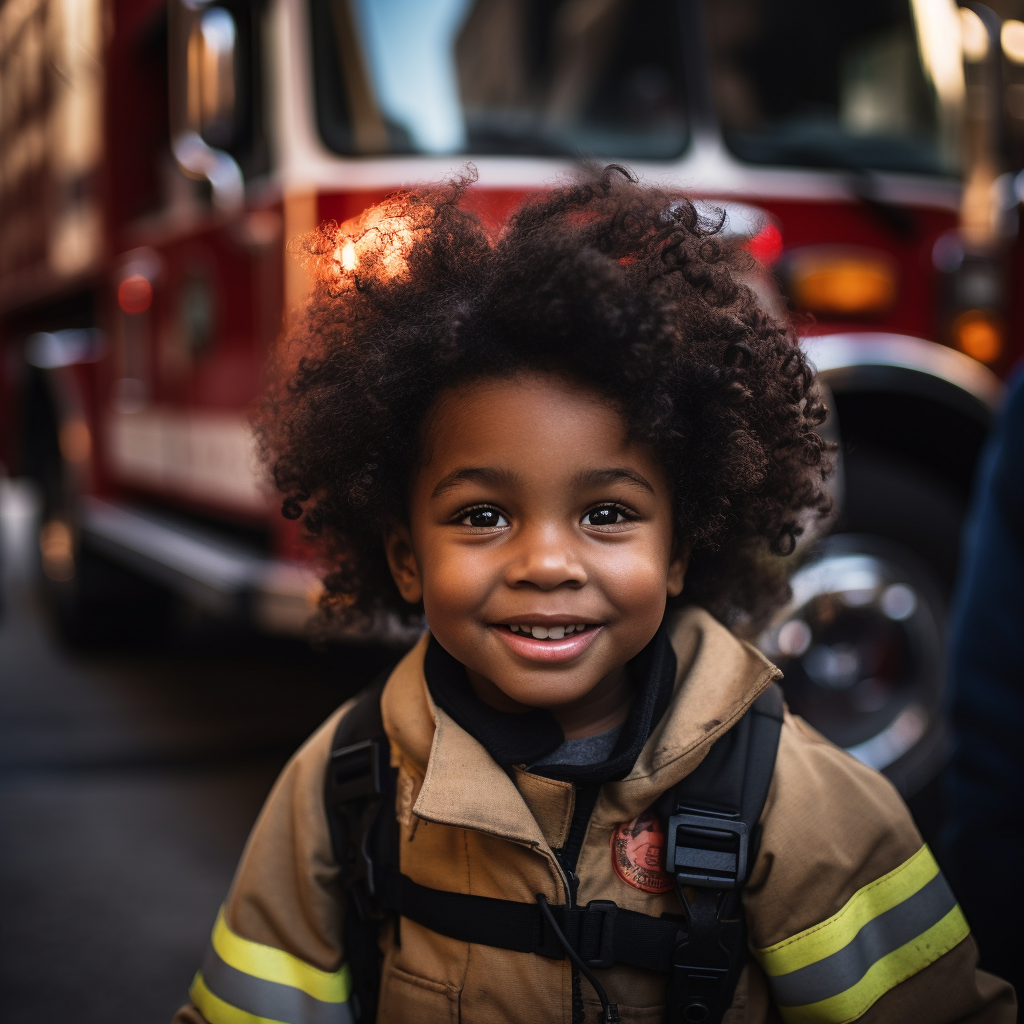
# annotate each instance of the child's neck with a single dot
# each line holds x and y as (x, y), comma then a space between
(602, 708)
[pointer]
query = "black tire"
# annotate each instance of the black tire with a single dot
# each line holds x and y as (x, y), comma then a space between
(90, 600)
(896, 500)
(866, 666)
(93, 602)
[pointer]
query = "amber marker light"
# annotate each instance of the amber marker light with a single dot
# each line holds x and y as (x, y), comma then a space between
(75, 441)
(135, 294)
(979, 333)
(841, 281)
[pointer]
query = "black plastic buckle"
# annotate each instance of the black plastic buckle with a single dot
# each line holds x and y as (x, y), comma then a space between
(590, 930)
(357, 771)
(602, 913)
(696, 993)
(706, 851)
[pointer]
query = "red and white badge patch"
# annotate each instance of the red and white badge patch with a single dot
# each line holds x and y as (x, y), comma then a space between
(638, 853)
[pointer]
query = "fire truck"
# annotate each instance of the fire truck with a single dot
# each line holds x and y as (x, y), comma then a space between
(157, 155)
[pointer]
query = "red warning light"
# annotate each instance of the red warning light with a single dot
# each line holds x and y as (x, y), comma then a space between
(766, 245)
(135, 294)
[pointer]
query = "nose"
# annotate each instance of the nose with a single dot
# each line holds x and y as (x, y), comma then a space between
(546, 557)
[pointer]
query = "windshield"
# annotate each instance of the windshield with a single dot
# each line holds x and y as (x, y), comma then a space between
(867, 84)
(561, 77)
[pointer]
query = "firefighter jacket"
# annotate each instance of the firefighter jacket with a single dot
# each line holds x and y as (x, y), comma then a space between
(848, 915)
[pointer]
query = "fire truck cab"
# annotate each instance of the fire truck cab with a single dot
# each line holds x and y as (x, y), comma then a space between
(157, 156)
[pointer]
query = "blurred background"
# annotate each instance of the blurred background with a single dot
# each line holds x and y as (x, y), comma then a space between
(155, 158)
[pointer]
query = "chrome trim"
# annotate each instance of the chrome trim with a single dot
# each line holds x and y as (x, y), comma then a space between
(899, 362)
(220, 169)
(220, 576)
(51, 350)
(192, 154)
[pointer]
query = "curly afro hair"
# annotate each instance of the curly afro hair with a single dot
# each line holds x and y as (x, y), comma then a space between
(623, 287)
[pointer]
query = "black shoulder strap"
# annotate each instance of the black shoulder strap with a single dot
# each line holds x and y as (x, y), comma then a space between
(712, 840)
(712, 817)
(359, 785)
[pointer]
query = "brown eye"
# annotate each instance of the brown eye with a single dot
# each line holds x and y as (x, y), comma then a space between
(606, 515)
(484, 518)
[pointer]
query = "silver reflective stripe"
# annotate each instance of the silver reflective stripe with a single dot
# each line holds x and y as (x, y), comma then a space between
(879, 937)
(268, 998)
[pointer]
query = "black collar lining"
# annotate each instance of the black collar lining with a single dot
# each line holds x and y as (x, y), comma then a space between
(521, 739)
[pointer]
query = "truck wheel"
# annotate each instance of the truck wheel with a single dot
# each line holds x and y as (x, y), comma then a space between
(862, 641)
(90, 600)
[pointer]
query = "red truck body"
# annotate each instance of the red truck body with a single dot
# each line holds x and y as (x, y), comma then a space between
(142, 283)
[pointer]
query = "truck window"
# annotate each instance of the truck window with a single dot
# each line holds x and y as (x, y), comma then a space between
(543, 77)
(872, 84)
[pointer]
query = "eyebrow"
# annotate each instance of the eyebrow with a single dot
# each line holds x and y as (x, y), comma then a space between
(475, 474)
(493, 476)
(599, 477)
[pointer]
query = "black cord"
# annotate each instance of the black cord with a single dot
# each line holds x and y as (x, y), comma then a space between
(609, 1011)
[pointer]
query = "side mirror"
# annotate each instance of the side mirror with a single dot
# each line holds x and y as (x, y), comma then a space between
(211, 76)
(201, 63)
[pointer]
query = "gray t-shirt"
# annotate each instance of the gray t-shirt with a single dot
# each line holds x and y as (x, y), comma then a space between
(585, 750)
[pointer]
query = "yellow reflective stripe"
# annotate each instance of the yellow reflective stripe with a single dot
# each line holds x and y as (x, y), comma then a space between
(884, 974)
(276, 965)
(216, 1011)
(824, 939)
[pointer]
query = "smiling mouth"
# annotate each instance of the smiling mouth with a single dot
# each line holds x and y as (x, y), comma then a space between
(550, 632)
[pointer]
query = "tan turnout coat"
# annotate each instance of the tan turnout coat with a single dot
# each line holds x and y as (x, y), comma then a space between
(835, 837)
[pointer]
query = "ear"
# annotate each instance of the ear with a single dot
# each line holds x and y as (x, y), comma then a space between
(402, 562)
(677, 569)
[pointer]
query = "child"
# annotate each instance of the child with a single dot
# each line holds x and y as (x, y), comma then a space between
(575, 447)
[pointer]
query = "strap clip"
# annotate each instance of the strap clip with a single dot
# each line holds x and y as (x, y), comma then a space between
(590, 930)
(355, 785)
(357, 771)
(707, 851)
(598, 920)
(696, 993)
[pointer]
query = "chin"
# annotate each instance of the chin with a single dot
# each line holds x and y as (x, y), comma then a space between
(544, 695)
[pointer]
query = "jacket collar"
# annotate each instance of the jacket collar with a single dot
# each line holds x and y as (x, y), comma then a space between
(717, 678)
(521, 739)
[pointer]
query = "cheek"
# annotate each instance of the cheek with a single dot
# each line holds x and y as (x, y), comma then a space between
(637, 579)
(453, 586)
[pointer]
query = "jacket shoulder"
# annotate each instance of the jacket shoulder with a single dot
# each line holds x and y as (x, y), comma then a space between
(830, 826)
(849, 915)
(283, 891)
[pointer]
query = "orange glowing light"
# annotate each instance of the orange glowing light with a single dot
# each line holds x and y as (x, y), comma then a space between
(376, 243)
(839, 281)
(75, 441)
(346, 255)
(57, 548)
(979, 334)
(372, 246)
(135, 294)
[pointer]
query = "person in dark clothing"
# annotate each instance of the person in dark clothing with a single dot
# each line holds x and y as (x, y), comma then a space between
(985, 779)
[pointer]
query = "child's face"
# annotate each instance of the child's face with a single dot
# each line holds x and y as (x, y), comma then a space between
(534, 509)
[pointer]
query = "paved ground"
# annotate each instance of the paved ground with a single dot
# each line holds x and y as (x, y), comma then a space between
(128, 783)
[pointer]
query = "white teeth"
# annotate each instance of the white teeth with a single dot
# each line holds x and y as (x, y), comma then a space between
(548, 632)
